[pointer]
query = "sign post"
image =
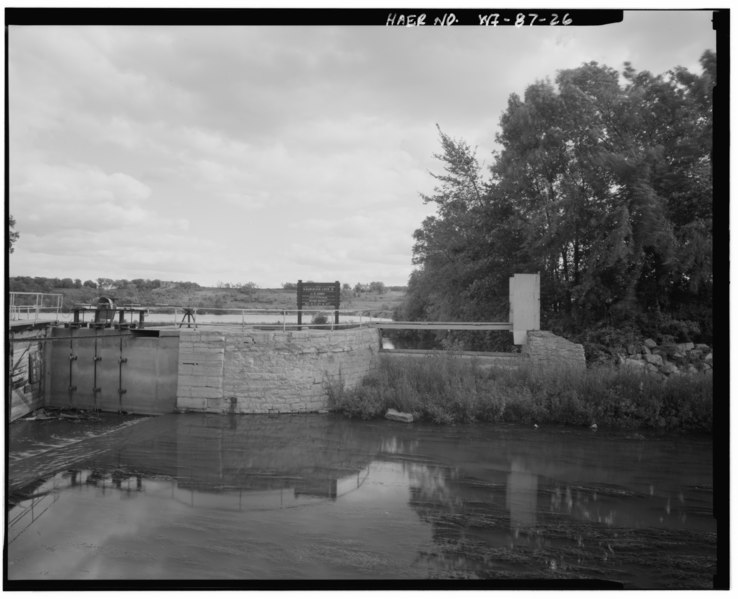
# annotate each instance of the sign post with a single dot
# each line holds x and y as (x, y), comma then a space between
(318, 294)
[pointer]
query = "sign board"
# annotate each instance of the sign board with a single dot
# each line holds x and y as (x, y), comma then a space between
(318, 295)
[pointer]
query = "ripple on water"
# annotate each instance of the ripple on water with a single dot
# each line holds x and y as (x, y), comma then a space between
(211, 496)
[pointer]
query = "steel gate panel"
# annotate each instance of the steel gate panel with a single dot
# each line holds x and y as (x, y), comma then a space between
(59, 369)
(108, 371)
(149, 375)
(71, 376)
(82, 398)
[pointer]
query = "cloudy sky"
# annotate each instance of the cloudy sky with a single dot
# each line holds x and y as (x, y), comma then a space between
(268, 154)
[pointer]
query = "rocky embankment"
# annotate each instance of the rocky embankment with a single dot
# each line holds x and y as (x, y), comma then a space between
(667, 358)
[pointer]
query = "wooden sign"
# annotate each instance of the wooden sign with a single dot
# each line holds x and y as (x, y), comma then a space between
(318, 295)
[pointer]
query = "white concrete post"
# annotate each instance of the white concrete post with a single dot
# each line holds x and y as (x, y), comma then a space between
(525, 305)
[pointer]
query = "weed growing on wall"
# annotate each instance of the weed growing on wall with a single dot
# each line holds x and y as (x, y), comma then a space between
(447, 389)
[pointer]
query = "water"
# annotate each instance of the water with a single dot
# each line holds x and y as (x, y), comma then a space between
(221, 497)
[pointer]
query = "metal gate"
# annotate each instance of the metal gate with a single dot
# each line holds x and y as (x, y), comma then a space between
(114, 370)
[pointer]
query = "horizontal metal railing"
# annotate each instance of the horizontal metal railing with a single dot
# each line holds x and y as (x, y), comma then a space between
(184, 317)
(445, 326)
(387, 345)
(33, 307)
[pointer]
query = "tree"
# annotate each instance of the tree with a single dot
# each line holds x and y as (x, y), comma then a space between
(602, 184)
(609, 179)
(453, 250)
(13, 235)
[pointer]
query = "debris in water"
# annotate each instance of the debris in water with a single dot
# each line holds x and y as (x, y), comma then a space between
(398, 416)
(62, 414)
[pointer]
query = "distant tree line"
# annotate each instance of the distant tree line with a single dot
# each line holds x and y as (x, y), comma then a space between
(359, 288)
(603, 185)
(246, 287)
(49, 285)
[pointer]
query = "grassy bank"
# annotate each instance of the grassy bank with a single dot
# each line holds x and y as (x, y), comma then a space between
(447, 389)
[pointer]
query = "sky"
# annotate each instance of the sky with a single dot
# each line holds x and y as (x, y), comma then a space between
(269, 154)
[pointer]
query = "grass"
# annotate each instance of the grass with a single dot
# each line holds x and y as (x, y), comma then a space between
(446, 389)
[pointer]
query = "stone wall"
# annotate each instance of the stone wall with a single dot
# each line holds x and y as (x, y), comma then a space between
(28, 369)
(248, 371)
(668, 358)
(546, 350)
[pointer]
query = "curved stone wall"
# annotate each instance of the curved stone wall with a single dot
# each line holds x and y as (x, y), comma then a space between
(250, 371)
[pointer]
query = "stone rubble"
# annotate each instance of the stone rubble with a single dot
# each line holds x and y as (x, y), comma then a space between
(668, 358)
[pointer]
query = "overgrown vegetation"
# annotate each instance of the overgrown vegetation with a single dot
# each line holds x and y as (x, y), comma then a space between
(448, 389)
(603, 185)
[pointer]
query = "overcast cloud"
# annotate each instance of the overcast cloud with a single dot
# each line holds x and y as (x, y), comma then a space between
(268, 154)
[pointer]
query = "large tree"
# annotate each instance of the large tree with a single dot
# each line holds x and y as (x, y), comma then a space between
(602, 184)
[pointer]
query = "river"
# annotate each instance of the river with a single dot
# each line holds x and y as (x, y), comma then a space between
(236, 497)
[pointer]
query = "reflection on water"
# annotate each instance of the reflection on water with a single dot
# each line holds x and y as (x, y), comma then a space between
(522, 496)
(310, 496)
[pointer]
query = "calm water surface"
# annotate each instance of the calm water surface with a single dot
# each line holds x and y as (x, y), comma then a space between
(320, 497)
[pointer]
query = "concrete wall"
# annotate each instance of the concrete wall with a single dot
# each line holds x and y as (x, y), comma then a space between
(546, 350)
(28, 368)
(250, 371)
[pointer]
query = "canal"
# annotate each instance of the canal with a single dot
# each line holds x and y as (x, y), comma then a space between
(237, 497)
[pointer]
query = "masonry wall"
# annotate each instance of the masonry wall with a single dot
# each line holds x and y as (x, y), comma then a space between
(546, 350)
(27, 362)
(239, 371)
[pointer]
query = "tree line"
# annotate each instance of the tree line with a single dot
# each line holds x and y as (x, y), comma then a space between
(377, 287)
(51, 284)
(602, 184)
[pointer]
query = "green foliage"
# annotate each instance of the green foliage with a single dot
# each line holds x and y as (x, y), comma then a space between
(448, 389)
(602, 184)
(13, 235)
